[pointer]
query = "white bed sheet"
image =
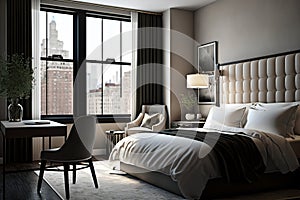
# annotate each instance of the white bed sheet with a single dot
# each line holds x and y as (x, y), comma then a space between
(188, 162)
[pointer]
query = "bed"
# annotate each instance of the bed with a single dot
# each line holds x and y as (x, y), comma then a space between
(260, 99)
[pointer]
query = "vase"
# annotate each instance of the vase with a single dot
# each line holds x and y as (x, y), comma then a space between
(189, 116)
(199, 116)
(15, 111)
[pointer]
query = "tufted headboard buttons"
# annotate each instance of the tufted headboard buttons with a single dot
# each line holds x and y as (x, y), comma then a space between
(273, 79)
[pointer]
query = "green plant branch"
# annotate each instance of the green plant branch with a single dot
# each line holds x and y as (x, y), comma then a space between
(189, 101)
(16, 77)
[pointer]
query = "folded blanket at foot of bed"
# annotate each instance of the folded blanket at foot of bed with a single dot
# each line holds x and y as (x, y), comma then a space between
(237, 155)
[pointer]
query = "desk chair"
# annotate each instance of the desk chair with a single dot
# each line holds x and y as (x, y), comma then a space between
(77, 149)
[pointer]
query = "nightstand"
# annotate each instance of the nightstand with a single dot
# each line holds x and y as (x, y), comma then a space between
(188, 124)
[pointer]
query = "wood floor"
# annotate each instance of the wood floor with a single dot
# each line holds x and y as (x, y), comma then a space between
(21, 182)
(22, 185)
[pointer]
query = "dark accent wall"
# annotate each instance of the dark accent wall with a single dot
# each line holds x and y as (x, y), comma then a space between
(249, 28)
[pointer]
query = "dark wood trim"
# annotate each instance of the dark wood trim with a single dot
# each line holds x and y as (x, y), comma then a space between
(108, 16)
(107, 62)
(56, 60)
(260, 57)
(69, 119)
(67, 10)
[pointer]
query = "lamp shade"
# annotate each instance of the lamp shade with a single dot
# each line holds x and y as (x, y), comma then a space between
(197, 81)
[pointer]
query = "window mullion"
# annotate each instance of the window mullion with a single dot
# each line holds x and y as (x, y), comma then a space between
(121, 46)
(46, 73)
(102, 94)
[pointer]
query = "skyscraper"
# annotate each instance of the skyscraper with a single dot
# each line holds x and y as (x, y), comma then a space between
(110, 95)
(56, 76)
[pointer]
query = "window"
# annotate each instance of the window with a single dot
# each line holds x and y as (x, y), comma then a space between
(108, 62)
(56, 35)
(108, 77)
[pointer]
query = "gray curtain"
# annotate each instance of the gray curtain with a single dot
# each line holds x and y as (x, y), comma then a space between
(149, 61)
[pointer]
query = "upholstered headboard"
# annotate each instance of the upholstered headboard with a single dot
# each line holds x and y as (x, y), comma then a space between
(274, 78)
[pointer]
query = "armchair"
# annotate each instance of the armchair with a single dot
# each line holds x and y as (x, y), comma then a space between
(153, 118)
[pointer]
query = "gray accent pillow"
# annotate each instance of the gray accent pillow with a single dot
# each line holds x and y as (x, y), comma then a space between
(150, 120)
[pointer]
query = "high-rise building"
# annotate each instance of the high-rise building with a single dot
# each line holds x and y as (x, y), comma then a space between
(112, 97)
(56, 76)
(116, 97)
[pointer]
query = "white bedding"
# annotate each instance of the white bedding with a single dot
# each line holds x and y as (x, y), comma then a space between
(188, 162)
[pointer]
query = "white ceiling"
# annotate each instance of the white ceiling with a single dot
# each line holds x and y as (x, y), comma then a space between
(153, 5)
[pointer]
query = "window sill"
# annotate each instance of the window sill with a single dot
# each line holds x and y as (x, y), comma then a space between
(69, 119)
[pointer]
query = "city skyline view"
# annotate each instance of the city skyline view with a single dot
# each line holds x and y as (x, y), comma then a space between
(108, 86)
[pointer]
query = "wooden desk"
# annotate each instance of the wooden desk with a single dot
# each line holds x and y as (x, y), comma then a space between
(22, 130)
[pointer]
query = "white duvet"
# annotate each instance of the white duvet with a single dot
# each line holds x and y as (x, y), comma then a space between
(189, 162)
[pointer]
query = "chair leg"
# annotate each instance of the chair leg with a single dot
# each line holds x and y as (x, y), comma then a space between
(74, 173)
(66, 175)
(93, 172)
(42, 169)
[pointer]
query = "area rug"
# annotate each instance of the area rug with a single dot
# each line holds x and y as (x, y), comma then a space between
(112, 185)
(117, 185)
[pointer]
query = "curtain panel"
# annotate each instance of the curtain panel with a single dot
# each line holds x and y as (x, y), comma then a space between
(19, 40)
(149, 61)
(19, 36)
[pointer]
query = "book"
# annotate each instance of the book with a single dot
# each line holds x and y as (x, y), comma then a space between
(37, 122)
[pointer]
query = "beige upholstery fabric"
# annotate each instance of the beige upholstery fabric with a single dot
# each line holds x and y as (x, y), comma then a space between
(135, 126)
(275, 79)
(269, 80)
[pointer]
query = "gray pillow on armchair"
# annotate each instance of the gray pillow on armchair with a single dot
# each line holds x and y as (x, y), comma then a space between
(150, 120)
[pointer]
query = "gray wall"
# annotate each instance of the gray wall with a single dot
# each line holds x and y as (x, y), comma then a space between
(249, 28)
(178, 57)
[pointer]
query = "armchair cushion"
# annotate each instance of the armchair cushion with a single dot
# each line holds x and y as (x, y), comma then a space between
(135, 122)
(138, 129)
(150, 120)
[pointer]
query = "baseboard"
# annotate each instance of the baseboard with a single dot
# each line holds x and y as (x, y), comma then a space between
(99, 152)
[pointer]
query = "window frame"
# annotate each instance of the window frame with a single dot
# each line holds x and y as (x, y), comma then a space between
(79, 38)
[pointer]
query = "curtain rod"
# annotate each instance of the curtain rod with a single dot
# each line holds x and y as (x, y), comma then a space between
(107, 7)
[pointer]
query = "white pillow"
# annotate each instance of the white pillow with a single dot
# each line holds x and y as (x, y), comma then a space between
(235, 106)
(276, 105)
(272, 118)
(224, 116)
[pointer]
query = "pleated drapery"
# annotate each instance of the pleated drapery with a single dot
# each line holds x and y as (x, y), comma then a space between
(19, 40)
(149, 61)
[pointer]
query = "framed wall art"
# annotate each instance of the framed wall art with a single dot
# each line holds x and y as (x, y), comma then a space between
(208, 95)
(207, 64)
